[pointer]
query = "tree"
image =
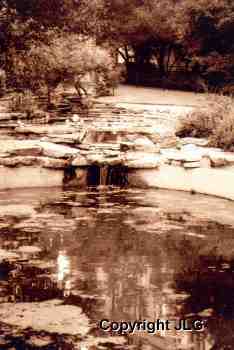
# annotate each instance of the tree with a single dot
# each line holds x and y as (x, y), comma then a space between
(165, 32)
(210, 40)
(24, 21)
(162, 33)
(143, 31)
(211, 26)
(65, 58)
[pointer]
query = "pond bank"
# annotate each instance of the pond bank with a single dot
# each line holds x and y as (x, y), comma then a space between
(112, 145)
(191, 168)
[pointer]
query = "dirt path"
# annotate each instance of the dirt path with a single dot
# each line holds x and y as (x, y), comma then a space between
(128, 94)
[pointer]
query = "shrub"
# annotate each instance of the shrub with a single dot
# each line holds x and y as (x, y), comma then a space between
(215, 121)
(24, 102)
(111, 79)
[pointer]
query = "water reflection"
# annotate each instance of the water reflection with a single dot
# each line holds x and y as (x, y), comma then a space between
(121, 258)
(63, 264)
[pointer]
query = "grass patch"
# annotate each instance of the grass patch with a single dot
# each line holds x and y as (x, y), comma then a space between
(214, 120)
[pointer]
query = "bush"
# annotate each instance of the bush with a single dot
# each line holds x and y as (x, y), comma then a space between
(107, 80)
(24, 102)
(214, 121)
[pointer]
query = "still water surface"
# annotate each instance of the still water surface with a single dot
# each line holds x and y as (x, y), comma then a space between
(124, 255)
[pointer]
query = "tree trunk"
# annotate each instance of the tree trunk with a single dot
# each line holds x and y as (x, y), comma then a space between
(132, 73)
(161, 62)
(80, 89)
(48, 97)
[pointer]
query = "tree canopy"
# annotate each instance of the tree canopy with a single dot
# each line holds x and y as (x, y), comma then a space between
(143, 30)
(165, 31)
(160, 32)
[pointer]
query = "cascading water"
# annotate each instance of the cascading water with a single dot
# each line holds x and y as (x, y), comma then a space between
(107, 175)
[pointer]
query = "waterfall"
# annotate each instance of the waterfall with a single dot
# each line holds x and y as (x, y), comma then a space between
(107, 175)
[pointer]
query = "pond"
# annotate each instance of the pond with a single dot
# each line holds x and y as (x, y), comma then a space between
(117, 255)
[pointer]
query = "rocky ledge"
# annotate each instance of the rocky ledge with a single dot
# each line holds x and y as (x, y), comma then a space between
(189, 165)
(137, 143)
(141, 152)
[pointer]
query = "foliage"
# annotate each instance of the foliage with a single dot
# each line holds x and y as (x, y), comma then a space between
(143, 31)
(215, 121)
(211, 26)
(194, 34)
(210, 39)
(168, 33)
(23, 102)
(55, 13)
(107, 79)
(65, 58)
(23, 22)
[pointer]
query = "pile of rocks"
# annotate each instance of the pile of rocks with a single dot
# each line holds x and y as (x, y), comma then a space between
(111, 136)
(139, 153)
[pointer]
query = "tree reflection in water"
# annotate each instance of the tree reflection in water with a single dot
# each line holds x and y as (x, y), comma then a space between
(211, 288)
(122, 260)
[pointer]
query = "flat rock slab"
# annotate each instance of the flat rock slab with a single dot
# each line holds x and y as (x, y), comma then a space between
(50, 316)
(28, 152)
(71, 138)
(192, 165)
(11, 115)
(186, 156)
(50, 149)
(11, 146)
(29, 249)
(19, 210)
(193, 153)
(6, 255)
(45, 162)
(46, 129)
(18, 161)
(155, 109)
(53, 163)
(195, 141)
(141, 160)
